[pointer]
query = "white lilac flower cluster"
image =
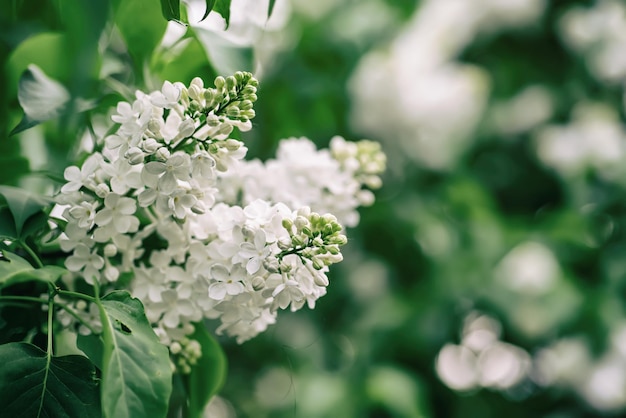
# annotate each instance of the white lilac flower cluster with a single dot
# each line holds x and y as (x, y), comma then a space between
(169, 210)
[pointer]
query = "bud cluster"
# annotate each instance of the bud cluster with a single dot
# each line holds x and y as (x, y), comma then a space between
(313, 237)
(186, 354)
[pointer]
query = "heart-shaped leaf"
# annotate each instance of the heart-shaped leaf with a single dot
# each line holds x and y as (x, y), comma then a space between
(35, 385)
(136, 372)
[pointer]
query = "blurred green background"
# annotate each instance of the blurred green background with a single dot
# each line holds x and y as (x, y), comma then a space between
(488, 279)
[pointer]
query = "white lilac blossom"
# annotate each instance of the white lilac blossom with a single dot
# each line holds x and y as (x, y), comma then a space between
(427, 106)
(168, 204)
(334, 180)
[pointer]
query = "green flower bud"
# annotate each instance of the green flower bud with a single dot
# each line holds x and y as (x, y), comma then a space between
(317, 263)
(220, 82)
(287, 224)
(231, 82)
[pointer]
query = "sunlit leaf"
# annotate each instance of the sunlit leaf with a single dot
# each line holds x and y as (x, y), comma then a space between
(30, 386)
(208, 375)
(136, 373)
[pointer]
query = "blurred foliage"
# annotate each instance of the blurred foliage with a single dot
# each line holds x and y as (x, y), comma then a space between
(424, 255)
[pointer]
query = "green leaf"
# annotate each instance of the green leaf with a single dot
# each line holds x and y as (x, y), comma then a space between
(14, 269)
(7, 224)
(22, 204)
(225, 56)
(93, 347)
(187, 64)
(41, 98)
(46, 50)
(142, 27)
(32, 386)
(136, 373)
(208, 375)
(270, 8)
(209, 6)
(171, 9)
(223, 8)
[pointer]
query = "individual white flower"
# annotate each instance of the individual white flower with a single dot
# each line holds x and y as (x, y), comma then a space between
(122, 176)
(74, 236)
(168, 96)
(87, 261)
(176, 167)
(84, 213)
(118, 211)
(173, 309)
(227, 282)
(77, 178)
(255, 252)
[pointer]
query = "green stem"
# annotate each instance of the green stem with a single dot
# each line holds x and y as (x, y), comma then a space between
(77, 317)
(23, 298)
(48, 351)
(31, 253)
(71, 294)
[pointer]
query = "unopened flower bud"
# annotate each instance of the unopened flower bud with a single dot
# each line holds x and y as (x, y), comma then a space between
(231, 82)
(196, 93)
(220, 82)
(301, 222)
(162, 154)
(150, 145)
(154, 126)
(186, 128)
(317, 263)
(258, 283)
(110, 250)
(175, 348)
(320, 279)
(134, 155)
(232, 144)
(102, 190)
(287, 224)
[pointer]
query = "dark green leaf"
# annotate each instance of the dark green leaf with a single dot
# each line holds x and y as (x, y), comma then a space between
(32, 387)
(41, 98)
(208, 375)
(15, 269)
(7, 224)
(22, 204)
(171, 9)
(136, 373)
(209, 6)
(270, 8)
(93, 347)
(223, 8)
